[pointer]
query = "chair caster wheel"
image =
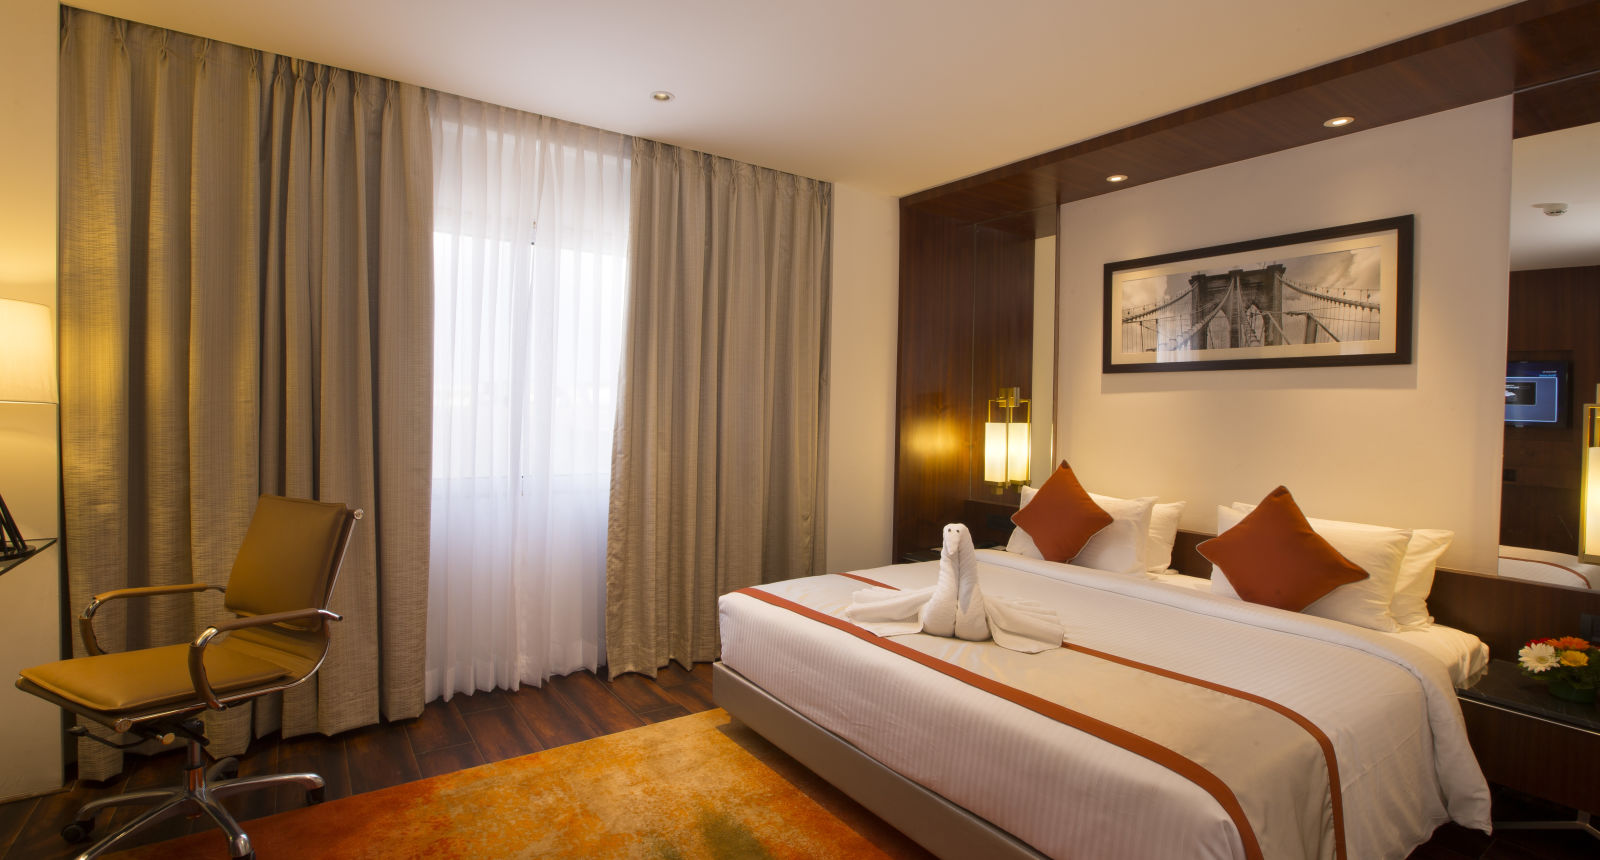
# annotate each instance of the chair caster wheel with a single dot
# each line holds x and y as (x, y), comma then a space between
(315, 796)
(77, 831)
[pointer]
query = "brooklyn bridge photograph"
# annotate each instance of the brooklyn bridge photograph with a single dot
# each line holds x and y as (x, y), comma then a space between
(1331, 299)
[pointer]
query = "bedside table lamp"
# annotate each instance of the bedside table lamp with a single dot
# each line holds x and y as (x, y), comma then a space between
(1005, 442)
(27, 375)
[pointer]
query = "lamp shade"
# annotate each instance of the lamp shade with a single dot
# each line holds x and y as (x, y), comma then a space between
(27, 353)
(1005, 452)
(1589, 497)
(1017, 453)
(994, 452)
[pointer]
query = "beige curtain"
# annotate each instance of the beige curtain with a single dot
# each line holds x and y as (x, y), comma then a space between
(245, 307)
(717, 469)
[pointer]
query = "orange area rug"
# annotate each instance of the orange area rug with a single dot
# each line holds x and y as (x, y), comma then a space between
(697, 786)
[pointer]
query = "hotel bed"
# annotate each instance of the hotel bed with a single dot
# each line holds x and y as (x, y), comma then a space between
(1028, 767)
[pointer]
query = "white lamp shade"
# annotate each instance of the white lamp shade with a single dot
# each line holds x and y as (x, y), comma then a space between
(1005, 452)
(1590, 544)
(27, 353)
(994, 452)
(1017, 453)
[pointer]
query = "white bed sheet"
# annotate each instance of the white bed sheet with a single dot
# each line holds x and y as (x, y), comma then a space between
(1405, 767)
(1542, 565)
(1462, 654)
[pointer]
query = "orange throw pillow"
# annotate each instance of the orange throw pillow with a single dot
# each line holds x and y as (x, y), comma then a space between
(1272, 556)
(1061, 518)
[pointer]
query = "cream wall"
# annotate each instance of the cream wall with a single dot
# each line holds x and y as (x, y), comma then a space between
(1414, 445)
(861, 378)
(30, 730)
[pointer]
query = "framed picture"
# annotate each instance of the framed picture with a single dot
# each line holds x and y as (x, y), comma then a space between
(1336, 296)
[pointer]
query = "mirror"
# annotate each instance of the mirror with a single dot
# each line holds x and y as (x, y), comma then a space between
(1553, 320)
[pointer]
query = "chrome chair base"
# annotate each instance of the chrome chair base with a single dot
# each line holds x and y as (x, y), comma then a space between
(202, 792)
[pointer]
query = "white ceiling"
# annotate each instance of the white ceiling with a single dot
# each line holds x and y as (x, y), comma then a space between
(892, 96)
(1558, 167)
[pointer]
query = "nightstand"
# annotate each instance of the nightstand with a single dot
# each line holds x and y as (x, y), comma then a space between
(1529, 740)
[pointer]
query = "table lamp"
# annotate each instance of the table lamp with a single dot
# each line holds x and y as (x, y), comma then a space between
(27, 375)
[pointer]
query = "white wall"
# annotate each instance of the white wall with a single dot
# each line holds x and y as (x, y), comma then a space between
(861, 378)
(30, 736)
(1414, 445)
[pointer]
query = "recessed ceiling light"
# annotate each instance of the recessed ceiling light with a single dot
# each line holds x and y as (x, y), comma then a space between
(1339, 121)
(1117, 177)
(661, 96)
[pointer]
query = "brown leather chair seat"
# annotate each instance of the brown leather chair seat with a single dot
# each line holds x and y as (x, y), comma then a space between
(132, 680)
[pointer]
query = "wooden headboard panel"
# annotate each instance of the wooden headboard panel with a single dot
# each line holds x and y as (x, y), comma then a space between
(1503, 612)
(1506, 612)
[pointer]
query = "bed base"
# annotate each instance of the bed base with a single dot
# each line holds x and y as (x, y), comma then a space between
(942, 827)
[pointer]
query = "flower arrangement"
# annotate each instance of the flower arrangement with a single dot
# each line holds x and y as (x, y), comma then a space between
(1570, 664)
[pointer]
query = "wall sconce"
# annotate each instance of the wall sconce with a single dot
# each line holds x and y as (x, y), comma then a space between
(1589, 498)
(1005, 442)
(27, 375)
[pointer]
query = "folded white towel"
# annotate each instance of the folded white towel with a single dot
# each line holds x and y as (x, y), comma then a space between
(1024, 625)
(956, 606)
(889, 611)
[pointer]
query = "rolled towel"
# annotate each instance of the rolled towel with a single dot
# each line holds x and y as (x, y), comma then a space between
(956, 605)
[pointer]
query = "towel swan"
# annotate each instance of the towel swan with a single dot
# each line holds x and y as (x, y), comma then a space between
(955, 606)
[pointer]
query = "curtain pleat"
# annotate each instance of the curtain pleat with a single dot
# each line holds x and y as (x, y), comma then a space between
(718, 457)
(246, 308)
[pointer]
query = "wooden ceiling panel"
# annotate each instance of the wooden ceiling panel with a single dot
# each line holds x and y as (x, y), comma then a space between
(1486, 57)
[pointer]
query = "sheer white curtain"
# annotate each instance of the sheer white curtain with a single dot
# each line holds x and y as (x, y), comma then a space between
(530, 278)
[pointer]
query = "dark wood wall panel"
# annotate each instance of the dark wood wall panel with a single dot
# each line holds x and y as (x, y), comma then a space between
(933, 391)
(966, 328)
(1506, 613)
(1554, 314)
(1002, 335)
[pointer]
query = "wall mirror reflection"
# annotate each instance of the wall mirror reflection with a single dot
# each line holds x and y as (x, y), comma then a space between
(1552, 352)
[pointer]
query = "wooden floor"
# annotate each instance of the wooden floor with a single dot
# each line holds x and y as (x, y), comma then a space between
(487, 727)
(449, 736)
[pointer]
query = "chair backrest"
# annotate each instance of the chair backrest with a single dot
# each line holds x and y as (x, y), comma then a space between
(290, 556)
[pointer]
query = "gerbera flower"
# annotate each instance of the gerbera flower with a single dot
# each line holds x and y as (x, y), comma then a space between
(1570, 643)
(1538, 657)
(1574, 658)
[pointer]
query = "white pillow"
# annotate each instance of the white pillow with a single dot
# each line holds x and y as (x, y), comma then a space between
(1020, 543)
(1377, 550)
(1164, 517)
(1118, 548)
(1409, 606)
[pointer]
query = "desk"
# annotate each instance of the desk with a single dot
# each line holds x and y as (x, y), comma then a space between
(34, 548)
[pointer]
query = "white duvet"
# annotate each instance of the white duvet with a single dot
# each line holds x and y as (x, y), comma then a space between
(1387, 706)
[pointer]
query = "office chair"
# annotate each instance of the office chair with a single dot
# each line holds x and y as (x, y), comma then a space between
(278, 592)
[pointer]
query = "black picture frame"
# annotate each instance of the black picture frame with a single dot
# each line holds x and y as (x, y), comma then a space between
(1151, 323)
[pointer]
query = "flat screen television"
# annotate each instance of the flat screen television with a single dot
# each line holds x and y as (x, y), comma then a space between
(1537, 392)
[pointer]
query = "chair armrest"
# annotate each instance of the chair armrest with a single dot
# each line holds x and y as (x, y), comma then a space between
(197, 648)
(91, 643)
